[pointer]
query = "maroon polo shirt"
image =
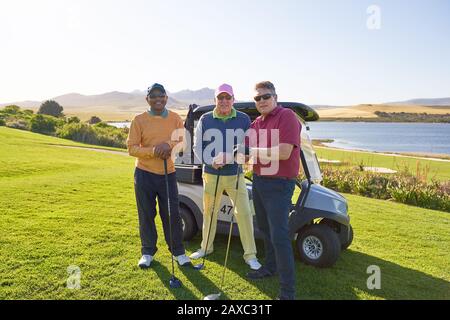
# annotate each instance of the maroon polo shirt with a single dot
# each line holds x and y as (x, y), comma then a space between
(284, 123)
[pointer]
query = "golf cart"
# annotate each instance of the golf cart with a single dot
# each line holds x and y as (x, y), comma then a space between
(318, 222)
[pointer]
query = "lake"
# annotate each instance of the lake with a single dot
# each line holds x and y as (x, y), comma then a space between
(385, 137)
(379, 136)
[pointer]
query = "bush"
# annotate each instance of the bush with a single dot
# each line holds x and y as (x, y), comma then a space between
(71, 128)
(12, 109)
(43, 124)
(432, 196)
(18, 124)
(412, 117)
(94, 120)
(110, 136)
(80, 132)
(401, 187)
(73, 120)
(99, 134)
(51, 108)
(102, 125)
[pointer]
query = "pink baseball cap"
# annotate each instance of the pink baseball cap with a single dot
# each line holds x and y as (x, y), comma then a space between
(225, 88)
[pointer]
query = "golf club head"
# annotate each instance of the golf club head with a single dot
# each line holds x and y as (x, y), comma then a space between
(199, 266)
(213, 296)
(174, 282)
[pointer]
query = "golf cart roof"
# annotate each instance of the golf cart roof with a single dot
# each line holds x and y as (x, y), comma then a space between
(302, 110)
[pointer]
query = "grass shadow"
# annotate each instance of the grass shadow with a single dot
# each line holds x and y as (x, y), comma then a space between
(347, 279)
(165, 274)
(199, 279)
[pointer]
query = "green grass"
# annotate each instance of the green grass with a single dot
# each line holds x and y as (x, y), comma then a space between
(61, 207)
(438, 170)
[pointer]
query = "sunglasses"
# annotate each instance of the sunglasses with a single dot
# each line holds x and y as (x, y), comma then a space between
(156, 95)
(227, 97)
(266, 96)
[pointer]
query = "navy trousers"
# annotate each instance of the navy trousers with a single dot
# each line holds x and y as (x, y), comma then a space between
(149, 187)
(272, 201)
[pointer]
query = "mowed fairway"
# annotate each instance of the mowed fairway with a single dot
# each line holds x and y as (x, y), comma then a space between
(62, 207)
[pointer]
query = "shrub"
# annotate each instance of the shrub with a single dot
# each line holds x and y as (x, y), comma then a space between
(94, 120)
(401, 187)
(43, 124)
(110, 136)
(98, 134)
(18, 124)
(12, 109)
(80, 132)
(73, 120)
(51, 108)
(432, 196)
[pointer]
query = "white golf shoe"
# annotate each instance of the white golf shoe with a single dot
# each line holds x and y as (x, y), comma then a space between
(198, 254)
(145, 261)
(183, 260)
(254, 264)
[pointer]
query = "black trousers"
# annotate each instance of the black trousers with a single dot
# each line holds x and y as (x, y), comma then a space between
(149, 186)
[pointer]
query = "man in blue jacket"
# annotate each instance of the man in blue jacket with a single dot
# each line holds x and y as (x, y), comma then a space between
(216, 134)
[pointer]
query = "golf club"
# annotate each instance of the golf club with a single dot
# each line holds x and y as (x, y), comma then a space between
(174, 281)
(216, 296)
(200, 266)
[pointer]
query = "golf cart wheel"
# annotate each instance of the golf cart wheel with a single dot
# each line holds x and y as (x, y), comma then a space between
(337, 228)
(347, 243)
(318, 245)
(189, 224)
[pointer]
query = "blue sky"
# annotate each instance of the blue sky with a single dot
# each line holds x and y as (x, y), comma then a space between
(317, 52)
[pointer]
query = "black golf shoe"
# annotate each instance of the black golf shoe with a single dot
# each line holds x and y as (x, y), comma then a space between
(260, 274)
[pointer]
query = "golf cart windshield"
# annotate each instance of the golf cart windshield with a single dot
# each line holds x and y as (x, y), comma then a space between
(309, 154)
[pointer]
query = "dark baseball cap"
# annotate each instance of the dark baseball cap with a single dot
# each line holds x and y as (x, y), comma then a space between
(156, 86)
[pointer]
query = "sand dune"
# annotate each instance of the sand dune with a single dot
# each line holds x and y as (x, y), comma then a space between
(368, 110)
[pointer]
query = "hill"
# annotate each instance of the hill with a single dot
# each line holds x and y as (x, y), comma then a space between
(424, 102)
(119, 106)
(368, 110)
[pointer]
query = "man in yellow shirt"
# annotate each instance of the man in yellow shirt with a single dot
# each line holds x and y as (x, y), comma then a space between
(154, 136)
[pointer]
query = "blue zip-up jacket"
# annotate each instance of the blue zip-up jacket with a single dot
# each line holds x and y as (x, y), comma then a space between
(230, 132)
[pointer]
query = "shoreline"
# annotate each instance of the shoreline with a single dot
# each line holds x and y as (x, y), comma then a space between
(417, 155)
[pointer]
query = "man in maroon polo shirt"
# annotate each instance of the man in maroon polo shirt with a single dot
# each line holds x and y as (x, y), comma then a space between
(274, 147)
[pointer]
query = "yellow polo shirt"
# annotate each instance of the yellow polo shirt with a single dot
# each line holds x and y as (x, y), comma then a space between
(147, 131)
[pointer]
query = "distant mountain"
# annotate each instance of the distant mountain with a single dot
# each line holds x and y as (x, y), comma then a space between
(424, 102)
(28, 104)
(123, 100)
(201, 97)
